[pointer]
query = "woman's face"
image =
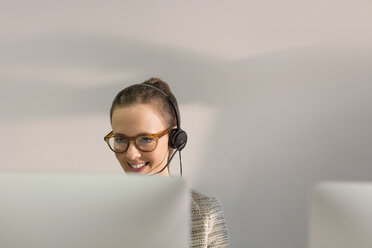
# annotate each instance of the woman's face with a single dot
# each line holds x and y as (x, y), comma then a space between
(131, 121)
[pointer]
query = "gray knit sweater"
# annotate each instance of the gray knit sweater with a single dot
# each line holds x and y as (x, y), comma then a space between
(208, 226)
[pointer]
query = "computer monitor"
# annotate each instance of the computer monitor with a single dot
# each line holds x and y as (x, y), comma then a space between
(341, 216)
(91, 211)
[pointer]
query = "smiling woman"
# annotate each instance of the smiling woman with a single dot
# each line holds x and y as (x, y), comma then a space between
(142, 124)
(145, 135)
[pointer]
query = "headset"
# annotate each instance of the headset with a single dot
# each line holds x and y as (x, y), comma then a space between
(177, 136)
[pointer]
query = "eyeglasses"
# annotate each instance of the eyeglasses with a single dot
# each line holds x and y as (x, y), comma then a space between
(145, 142)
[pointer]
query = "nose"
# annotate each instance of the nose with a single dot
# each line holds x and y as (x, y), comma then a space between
(133, 152)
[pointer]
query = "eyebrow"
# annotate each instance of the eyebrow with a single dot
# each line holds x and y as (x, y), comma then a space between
(120, 134)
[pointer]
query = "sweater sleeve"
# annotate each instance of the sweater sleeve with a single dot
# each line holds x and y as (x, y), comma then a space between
(217, 230)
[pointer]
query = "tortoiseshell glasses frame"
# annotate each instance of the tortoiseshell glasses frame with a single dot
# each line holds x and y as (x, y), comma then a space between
(145, 142)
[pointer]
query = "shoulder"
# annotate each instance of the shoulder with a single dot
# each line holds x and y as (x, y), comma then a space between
(208, 221)
(199, 201)
(204, 205)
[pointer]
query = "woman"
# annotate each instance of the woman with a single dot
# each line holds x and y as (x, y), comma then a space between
(145, 135)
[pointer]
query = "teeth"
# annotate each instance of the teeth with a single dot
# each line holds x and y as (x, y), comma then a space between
(137, 166)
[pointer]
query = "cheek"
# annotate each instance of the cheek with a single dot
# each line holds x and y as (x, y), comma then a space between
(161, 150)
(119, 156)
(157, 155)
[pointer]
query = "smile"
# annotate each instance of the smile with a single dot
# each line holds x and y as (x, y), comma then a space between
(137, 166)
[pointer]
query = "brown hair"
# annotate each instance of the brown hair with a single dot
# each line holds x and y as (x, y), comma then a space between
(142, 94)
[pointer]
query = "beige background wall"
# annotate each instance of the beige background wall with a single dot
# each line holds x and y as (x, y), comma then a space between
(275, 95)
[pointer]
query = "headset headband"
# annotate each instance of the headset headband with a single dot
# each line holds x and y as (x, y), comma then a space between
(172, 103)
(178, 137)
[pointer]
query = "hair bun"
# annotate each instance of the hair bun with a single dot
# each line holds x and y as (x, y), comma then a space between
(157, 82)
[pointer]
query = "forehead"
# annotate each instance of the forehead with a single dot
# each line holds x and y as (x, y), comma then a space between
(136, 119)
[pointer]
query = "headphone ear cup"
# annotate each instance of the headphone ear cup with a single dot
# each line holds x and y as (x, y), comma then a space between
(177, 139)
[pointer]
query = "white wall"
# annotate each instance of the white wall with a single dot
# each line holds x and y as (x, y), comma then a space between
(275, 95)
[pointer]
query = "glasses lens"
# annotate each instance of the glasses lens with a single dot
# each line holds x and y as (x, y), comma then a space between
(146, 143)
(118, 144)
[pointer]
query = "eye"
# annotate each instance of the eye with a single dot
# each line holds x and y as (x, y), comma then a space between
(120, 140)
(146, 140)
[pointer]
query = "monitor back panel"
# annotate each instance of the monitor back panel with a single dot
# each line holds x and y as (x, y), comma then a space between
(78, 211)
(341, 216)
